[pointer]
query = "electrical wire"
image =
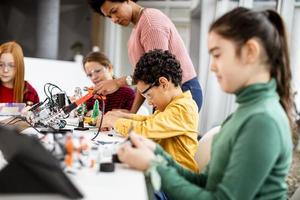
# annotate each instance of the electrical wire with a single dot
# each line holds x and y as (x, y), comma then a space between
(14, 122)
(18, 119)
(101, 119)
(8, 123)
(25, 120)
(48, 102)
(48, 90)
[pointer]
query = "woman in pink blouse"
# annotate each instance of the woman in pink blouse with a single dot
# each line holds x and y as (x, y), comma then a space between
(152, 30)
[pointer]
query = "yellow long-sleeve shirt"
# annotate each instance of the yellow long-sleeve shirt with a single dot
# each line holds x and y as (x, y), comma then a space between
(175, 129)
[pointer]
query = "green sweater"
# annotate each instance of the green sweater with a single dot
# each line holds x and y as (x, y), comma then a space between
(250, 156)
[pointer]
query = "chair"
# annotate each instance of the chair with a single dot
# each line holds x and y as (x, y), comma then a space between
(202, 155)
(296, 195)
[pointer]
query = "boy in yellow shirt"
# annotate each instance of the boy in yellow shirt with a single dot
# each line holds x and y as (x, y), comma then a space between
(174, 123)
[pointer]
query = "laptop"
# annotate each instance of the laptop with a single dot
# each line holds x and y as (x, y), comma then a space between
(30, 168)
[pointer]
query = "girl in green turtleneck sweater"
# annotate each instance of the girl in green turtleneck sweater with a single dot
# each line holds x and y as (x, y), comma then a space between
(252, 153)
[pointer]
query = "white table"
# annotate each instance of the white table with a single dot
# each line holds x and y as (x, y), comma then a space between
(123, 183)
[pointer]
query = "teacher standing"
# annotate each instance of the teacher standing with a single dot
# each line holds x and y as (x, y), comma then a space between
(152, 30)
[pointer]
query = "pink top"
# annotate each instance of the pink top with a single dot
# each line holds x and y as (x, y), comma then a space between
(155, 30)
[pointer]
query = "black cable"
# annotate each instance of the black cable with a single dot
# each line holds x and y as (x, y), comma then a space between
(48, 85)
(8, 123)
(51, 95)
(68, 98)
(46, 91)
(20, 118)
(50, 92)
(54, 87)
(25, 120)
(14, 122)
(101, 119)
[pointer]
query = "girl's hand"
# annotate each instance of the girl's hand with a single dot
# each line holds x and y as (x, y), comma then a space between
(135, 138)
(137, 157)
(106, 87)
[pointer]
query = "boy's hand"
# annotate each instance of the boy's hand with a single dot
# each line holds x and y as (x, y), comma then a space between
(122, 110)
(120, 114)
(109, 120)
(89, 113)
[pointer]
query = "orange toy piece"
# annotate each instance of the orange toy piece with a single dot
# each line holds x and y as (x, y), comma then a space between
(91, 91)
(69, 149)
(93, 162)
(90, 94)
(83, 145)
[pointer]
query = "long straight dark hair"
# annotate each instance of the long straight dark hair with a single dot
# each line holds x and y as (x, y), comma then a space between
(242, 24)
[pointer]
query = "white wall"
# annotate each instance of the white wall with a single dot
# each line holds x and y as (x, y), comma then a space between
(295, 53)
(218, 105)
(65, 74)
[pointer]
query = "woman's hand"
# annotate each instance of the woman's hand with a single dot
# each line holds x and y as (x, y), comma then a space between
(137, 157)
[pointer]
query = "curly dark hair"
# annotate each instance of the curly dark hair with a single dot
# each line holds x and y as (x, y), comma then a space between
(158, 63)
(96, 4)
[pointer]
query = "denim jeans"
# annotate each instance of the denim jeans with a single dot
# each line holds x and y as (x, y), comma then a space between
(160, 196)
(194, 86)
